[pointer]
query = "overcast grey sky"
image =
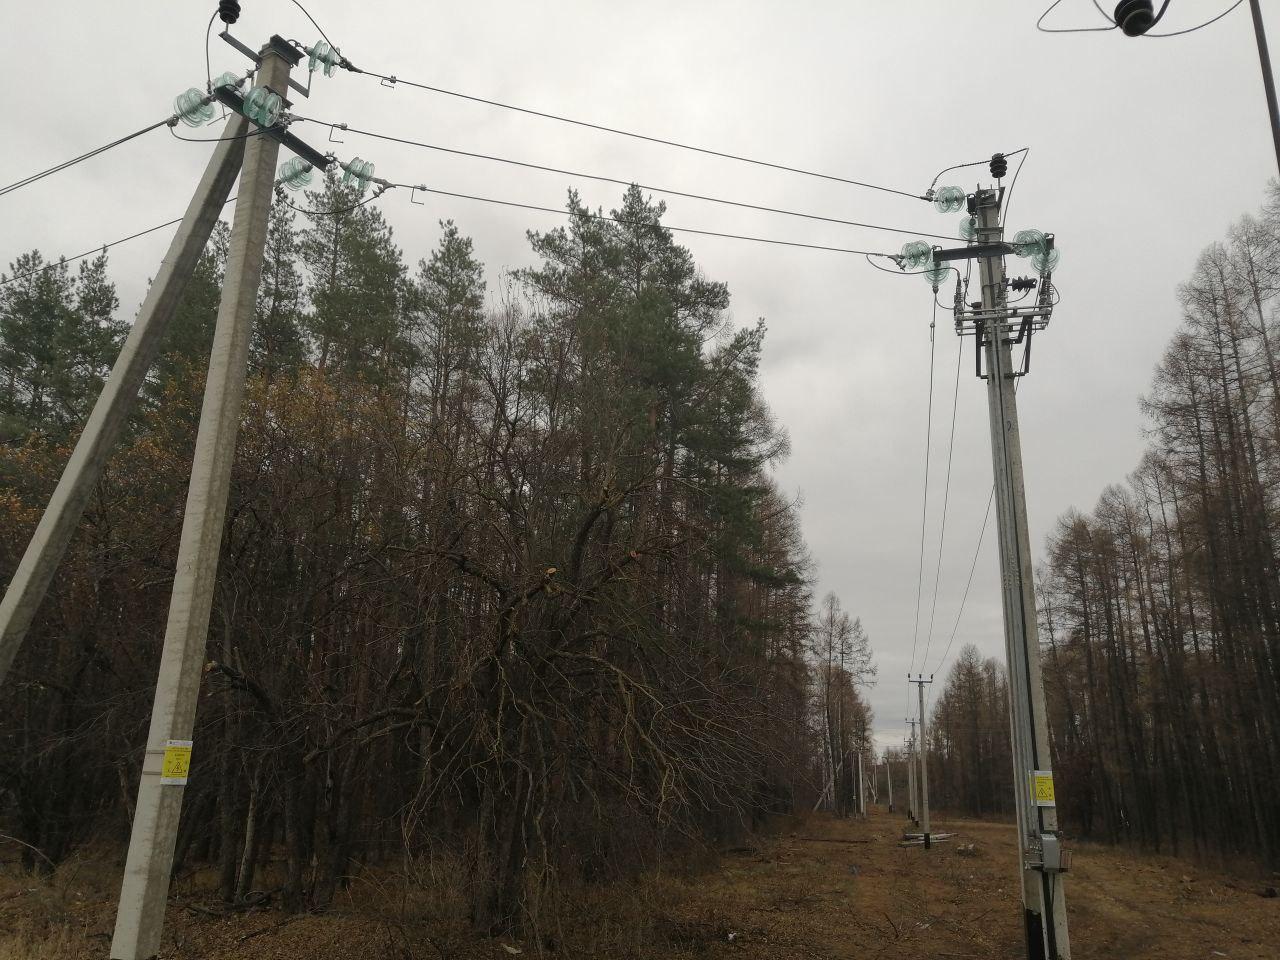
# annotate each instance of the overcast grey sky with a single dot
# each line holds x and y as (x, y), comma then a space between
(1143, 152)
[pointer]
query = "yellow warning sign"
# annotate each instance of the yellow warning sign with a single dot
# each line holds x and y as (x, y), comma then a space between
(1042, 788)
(177, 762)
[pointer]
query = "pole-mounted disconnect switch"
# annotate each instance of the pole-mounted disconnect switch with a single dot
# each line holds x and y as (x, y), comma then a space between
(1053, 858)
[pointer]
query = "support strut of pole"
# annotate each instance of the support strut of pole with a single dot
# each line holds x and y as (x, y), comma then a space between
(111, 411)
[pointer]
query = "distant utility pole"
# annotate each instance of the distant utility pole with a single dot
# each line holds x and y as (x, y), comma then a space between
(913, 806)
(924, 763)
(862, 788)
(888, 776)
(997, 326)
(145, 889)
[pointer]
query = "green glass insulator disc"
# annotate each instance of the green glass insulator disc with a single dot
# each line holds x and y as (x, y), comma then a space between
(915, 254)
(949, 199)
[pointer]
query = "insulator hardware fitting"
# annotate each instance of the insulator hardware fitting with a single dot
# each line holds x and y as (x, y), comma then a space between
(323, 55)
(359, 172)
(228, 11)
(263, 107)
(999, 166)
(193, 108)
(949, 199)
(295, 174)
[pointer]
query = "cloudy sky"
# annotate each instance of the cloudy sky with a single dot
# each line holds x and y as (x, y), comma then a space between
(1143, 152)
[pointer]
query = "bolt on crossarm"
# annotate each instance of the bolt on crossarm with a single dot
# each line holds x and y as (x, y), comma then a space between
(997, 326)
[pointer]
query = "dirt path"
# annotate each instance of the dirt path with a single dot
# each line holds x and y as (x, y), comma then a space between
(809, 895)
(827, 889)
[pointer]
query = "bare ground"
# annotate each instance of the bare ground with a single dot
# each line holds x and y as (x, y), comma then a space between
(820, 889)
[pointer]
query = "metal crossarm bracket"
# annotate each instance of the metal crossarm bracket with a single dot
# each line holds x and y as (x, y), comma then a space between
(308, 153)
(280, 46)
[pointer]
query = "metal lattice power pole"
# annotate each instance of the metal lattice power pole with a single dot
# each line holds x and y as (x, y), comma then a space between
(997, 326)
(30, 583)
(145, 888)
(924, 765)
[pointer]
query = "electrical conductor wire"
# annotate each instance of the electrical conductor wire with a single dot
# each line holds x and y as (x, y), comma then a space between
(625, 183)
(660, 226)
(66, 164)
(638, 136)
(98, 249)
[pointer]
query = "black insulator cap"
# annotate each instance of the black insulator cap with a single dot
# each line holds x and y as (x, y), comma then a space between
(228, 11)
(999, 166)
(1134, 17)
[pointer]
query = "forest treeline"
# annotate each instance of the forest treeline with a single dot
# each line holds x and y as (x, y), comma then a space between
(504, 576)
(1160, 608)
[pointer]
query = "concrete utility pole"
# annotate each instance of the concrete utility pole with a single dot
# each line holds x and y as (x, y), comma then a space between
(1044, 896)
(924, 764)
(997, 326)
(862, 789)
(30, 583)
(913, 795)
(145, 889)
(888, 776)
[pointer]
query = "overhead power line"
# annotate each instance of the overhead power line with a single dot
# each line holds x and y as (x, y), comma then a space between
(394, 80)
(528, 165)
(661, 226)
(57, 168)
(98, 249)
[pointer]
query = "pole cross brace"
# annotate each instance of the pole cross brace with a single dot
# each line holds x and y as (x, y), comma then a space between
(973, 251)
(308, 153)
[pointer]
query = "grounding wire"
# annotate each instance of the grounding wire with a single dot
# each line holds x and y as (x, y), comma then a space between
(208, 68)
(924, 504)
(102, 247)
(1008, 195)
(662, 226)
(256, 132)
(637, 136)
(946, 496)
(57, 168)
(1043, 29)
(1114, 25)
(335, 212)
(986, 518)
(973, 163)
(307, 14)
(625, 183)
(1178, 33)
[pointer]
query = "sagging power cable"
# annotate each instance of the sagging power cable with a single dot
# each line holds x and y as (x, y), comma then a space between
(393, 80)
(600, 178)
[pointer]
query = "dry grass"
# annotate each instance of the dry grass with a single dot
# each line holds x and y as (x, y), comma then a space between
(790, 896)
